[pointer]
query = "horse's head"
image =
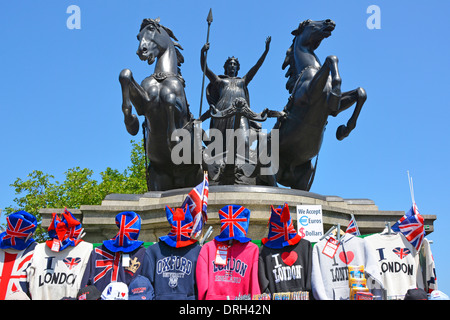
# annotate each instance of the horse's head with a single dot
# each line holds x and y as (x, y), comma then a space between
(311, 33)
(154, 39)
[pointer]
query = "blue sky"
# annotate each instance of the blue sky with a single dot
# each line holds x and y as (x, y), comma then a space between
(61, 99)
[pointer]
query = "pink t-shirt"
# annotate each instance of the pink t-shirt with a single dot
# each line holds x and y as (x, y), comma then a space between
(239, 276)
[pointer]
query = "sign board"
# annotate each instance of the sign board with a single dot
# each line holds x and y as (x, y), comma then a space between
(310, 222)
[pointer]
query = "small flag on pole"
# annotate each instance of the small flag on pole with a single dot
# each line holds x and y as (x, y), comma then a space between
(352, 227)
(411, 225)
(197, 200)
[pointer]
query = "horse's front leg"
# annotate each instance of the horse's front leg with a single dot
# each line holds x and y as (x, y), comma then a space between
(320, 79)
(359, 96)
(132, 94)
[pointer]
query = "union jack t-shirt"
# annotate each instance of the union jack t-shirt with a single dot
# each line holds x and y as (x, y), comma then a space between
(13, 267)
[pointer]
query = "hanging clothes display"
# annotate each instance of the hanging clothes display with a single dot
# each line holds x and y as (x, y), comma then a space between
(118, 259)
(398, 262)
(227, 267)
(58, 265)
(285, 259)
(16, 250)
(331, 259)
(170, 264)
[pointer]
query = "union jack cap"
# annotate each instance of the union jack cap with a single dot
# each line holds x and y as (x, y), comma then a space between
(182, 223)
(20, 227)
(129, 224)
(281, 230)
(234, 220)
(66, 229)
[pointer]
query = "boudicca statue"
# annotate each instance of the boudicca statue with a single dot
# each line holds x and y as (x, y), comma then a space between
(298, 133)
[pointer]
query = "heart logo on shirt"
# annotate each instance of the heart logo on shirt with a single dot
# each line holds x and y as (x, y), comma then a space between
(346, 257)
(289, 257)
(123, 294)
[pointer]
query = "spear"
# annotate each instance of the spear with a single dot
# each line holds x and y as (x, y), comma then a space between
(209, 19)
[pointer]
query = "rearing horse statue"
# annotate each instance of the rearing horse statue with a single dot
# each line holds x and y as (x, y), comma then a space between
(162, 100)
(315, 94)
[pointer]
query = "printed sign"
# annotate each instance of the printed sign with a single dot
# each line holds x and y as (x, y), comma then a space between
(310, 222)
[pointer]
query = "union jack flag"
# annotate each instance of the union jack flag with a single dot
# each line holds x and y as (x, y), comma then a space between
(401, 252)
(13, 275)
(230, 220)
(126, 230)
(352, 227)
(181, 228)
(71, 262)
(282, 227)
(197, 200)
(110, 261)
(14, 231)
(411, 225)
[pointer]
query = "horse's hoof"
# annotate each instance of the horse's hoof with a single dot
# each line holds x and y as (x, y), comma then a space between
(342, 132)
(132, 125)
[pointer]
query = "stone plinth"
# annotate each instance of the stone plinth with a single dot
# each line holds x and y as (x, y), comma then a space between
(99, 220)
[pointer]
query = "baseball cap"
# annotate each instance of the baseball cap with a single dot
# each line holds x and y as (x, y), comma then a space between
(89, 293)
(416, 294)
(438, 295)
(140, 288)
(115, 291)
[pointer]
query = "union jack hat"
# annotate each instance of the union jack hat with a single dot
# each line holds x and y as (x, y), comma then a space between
(234, 220)
(129, 224)
(20, 227)
(182, 223)
(281, 230)
(65, 228)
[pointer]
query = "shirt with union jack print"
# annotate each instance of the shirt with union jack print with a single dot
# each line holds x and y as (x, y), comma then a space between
(13, 267)
(399, 263)
(106, 266)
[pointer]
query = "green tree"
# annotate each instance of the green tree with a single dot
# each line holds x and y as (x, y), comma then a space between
(41, 190)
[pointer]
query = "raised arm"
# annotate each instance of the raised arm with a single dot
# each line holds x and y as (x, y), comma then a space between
(251, 73)
(211, 75)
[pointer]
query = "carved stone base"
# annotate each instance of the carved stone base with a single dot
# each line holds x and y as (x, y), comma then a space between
(99, 224)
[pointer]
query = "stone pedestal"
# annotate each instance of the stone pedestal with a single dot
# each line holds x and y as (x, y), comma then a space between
(99, 224)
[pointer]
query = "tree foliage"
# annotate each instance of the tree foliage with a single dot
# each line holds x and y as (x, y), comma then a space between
(41, 190)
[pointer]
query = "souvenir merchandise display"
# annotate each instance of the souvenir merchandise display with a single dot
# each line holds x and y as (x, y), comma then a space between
(227, 266)
(357, 284)
(16, 250)
(398, 262)
(285, 259)
(58, 265)
(118, 259)
(331, 258)
(170, 264)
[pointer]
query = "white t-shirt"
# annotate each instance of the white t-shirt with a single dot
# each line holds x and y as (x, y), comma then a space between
(398, 262)
(55, 275)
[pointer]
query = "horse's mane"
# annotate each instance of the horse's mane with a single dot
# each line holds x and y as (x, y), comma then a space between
(157, 25)
(292, 73)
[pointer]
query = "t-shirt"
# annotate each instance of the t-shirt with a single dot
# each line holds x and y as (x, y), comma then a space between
(329, 277)
(55, 275)
(13, 270)
(106, 266)
(398, 263)
(171, 271)
(287, 269)
(237, 276)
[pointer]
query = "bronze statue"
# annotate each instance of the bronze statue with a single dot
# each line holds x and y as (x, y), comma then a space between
(315, 94)
(161, 99)
(224, 89)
